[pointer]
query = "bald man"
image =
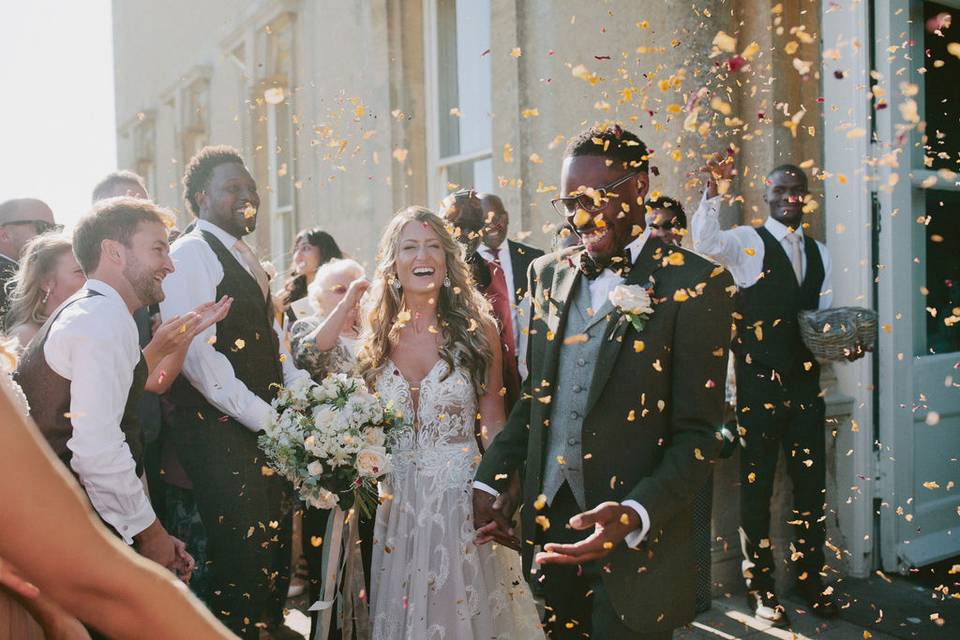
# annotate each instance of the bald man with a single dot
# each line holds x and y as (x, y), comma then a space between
(20, 220)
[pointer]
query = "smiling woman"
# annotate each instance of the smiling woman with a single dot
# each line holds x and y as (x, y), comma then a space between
(57, 60)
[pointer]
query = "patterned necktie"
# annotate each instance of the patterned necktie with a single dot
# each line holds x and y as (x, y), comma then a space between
(254, 266)
(619, 264)
(796, 258)
(498, 293)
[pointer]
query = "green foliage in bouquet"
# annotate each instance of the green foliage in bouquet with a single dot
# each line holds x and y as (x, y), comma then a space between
(332, 441)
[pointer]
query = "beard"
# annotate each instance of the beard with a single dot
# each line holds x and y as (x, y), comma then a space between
(148, 289)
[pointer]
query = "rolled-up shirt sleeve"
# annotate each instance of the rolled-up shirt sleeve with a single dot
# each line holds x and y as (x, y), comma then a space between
(198, 273)
(99, 361)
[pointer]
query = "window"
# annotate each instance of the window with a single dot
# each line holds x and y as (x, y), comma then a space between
(459, 133)
(193, 109)
(941, 158)
(144, 149)
(277, 50)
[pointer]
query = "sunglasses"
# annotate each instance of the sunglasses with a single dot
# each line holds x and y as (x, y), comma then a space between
(40, 226)
(591, 202)
(665, 226)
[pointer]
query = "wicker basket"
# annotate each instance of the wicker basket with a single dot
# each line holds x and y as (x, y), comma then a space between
(832, 334)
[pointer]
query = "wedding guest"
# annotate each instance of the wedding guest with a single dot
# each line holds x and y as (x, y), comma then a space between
(20, 220)
(779, 271)
(51, 546)
(508, 262)
(666, 219)
(312, 248)
(324, 343)
(49, 274)
(83, 371)
(464, 211)
(628, 336)
(120, 183)
(222, 398)
(128, 183)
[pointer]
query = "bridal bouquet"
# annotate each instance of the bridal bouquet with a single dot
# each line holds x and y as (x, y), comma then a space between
(331, 440)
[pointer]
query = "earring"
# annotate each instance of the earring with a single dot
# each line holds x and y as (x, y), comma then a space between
(446, 281)
(46, 296)
(395, 283)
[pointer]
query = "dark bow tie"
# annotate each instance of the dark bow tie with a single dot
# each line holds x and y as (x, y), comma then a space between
(619, 264)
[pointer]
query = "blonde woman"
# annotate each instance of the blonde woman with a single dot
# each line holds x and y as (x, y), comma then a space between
(431, 348)
(48, 275)
(327, 342)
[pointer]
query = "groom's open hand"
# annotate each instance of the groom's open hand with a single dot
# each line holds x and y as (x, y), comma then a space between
(492, 515)
(611, 523)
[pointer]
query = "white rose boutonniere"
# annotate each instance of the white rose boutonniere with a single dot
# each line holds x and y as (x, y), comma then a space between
(634, 303)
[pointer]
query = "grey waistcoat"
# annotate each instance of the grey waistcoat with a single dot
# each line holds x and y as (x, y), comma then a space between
(577, 361)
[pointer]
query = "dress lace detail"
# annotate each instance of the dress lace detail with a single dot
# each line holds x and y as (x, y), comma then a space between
(429, 580)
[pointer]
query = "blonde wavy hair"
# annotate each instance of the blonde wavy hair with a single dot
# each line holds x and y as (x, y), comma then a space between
(39, 260)
(464, 314)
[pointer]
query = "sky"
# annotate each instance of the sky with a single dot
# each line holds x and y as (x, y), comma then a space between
(57, 125)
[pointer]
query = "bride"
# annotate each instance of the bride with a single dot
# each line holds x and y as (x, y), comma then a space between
(432, 349)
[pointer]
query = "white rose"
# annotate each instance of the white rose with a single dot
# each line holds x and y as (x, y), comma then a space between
(372, 462)
(323, 499)
(631, 299)
(315, 468)
(324, 415)
(374, 437)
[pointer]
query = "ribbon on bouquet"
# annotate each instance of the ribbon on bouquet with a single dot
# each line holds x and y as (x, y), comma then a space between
(342, 570)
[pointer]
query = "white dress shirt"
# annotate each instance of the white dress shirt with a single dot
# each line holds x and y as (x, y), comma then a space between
(95, 345)
(600, 289)
(741, 249)
(198, 273)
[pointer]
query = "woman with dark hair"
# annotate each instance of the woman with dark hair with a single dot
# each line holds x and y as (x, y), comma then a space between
(311, 249)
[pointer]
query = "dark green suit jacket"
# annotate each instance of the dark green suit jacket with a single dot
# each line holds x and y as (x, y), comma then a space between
(649, 433)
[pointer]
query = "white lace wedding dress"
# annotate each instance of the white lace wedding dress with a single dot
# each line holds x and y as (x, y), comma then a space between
(429, 581)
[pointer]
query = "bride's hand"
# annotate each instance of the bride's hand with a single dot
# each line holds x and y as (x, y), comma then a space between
(492, 515)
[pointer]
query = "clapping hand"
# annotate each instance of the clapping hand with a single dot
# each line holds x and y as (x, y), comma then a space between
(720, 169)
(492, 515)
(611, 523)
(179, 331)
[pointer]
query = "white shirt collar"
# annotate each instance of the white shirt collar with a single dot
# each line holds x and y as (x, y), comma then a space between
(103, 288)
(502, 251)
(636, 245)
(780, 230)
(228, 240)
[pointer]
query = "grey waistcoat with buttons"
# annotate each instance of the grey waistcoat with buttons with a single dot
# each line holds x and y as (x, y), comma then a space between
(575, 367)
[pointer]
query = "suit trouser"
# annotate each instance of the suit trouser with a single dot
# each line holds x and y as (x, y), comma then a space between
(577, 604)
(785, 413)
(247, 516)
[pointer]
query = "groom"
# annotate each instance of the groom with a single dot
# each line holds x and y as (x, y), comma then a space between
(614, 434)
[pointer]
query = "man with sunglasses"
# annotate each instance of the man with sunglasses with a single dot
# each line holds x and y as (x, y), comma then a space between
(614, 432)
(666, 219)
(21, 220)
